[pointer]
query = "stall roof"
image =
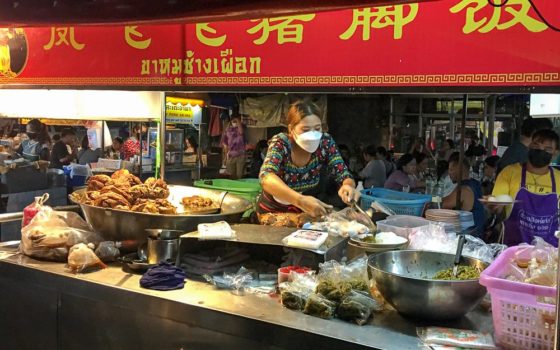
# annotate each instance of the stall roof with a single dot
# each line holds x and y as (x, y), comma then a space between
(41, 13)
(81, 104)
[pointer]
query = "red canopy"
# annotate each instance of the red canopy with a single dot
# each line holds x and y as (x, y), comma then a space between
(40, 12)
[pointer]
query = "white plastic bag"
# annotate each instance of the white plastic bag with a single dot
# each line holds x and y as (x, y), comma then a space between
(51, 233)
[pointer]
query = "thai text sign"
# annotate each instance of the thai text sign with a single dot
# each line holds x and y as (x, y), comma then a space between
(442, 43)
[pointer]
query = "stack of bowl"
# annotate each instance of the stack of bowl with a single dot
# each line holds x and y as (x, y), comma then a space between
(358, 246)
(448, 217)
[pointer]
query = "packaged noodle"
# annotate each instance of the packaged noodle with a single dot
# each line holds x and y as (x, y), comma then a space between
(455, 337)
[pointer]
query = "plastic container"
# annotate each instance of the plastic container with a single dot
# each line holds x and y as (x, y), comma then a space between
(401, 203)
(248, 189)
(402, 225)
(521, 319)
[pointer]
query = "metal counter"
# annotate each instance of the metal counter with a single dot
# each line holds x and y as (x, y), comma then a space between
(43, 306)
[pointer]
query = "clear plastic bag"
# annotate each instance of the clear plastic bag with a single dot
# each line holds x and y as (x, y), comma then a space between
(345, 223)
(32, 209)
(237, 282)
(434, 238)
(357, 307)
(337, 280)
(455, 337)
(534, 264)
(319, 306)
(51, 233)
(81, 258)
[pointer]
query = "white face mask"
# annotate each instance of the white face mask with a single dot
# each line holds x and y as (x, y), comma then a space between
(309, 141)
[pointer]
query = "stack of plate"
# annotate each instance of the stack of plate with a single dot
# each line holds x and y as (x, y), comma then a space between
(448, 217)
(467, 220)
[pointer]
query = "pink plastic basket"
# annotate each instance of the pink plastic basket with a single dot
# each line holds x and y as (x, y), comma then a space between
(521, 319)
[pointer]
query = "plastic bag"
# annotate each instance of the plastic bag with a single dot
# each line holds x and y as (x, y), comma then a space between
(81, 258)
(319, 306)
(357, 307)
(337, 280)
(345, 223)
(51, 233)
(534, 264)
(236, 282)
(32, 209)
(434, 238)
(455, 337)
(108, 251)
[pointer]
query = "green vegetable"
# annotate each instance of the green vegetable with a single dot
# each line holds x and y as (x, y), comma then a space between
(463, 273)
(293, 300)
(319, 306)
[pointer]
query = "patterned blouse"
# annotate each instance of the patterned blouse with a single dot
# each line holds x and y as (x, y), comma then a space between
(278, 161)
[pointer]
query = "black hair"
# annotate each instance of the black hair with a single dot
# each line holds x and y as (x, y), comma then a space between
(455, 157)
(370, 150)
(528, 127)
(343, 147)
(85, 142)
(404, 160)
(382, 151)
(492, 161)
(442, 167)
(260, 145)
(66, 132)
(546, 135)
(420, 157)
(118, 139)
(56, 137)
(193, 142)
(450, 143)
(543, 124)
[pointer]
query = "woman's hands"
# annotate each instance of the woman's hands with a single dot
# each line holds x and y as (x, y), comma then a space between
(348, 193)
(312, 206)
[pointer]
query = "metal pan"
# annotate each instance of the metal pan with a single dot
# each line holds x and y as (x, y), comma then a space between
(119, 225)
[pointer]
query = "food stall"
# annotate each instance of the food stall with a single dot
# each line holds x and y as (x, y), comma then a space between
(108, 307)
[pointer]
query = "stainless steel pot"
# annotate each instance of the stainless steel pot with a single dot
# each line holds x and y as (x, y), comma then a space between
(120, 225)
(162, 250)
(403, 278)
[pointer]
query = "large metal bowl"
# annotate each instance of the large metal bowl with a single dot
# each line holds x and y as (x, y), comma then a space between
(120, 225)
(402, 277)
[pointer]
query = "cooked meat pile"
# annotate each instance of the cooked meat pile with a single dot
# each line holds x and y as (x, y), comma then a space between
(124, 191)
(197, 203)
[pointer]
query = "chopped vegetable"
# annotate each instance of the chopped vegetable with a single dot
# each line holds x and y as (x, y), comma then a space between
(319, 306)
(463, 273)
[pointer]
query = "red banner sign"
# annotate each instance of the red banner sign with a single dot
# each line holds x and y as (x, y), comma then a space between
(443, 43)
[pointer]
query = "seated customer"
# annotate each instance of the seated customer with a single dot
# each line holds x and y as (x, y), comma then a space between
(114, 151)
(470, 192)
(374, 174)
(490, 170)
(403, 179)
(86, 155)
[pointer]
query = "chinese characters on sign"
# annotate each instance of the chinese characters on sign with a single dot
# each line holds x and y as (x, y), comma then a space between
(379, 18)
(134, 38)
(63, 35)
(512, 12)
(287, 32)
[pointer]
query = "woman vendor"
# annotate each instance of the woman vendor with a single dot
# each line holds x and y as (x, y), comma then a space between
(36, 147)
(291, 171)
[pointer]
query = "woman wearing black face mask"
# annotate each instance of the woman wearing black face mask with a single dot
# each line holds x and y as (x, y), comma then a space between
(534, 185)
(36, 147)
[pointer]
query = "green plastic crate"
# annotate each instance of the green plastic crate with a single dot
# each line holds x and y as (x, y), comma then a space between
(246, 188)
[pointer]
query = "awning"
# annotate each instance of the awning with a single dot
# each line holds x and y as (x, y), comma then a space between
(41, 13)
(81, 104)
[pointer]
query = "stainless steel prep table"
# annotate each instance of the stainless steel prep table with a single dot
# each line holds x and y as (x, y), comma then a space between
(45, 307)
